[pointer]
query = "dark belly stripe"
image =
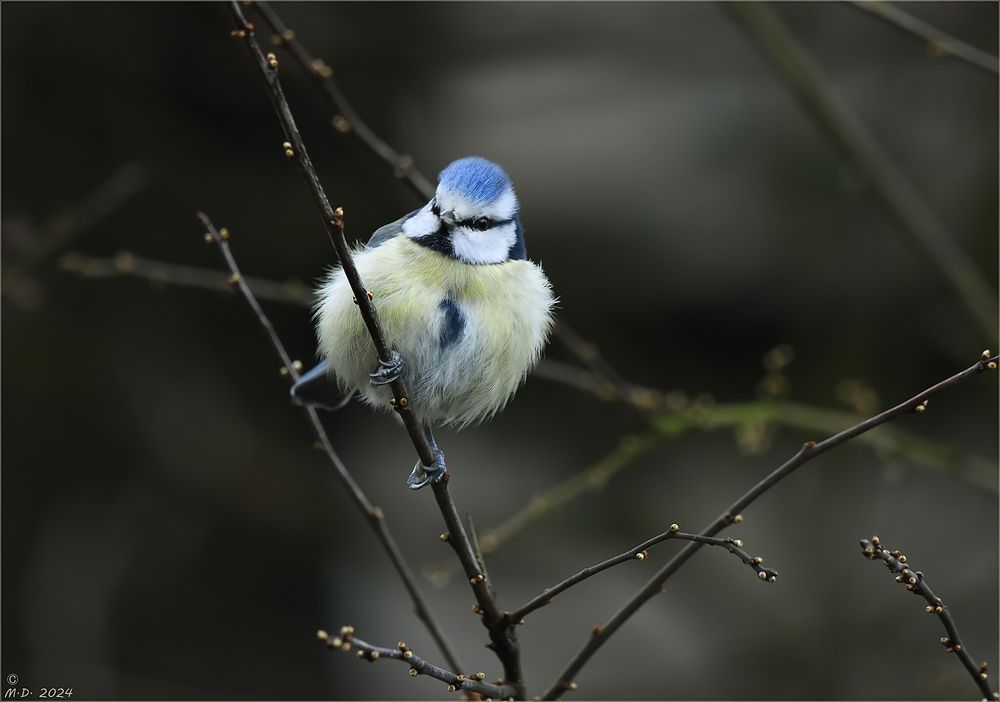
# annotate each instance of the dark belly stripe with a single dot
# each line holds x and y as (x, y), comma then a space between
(453, 323)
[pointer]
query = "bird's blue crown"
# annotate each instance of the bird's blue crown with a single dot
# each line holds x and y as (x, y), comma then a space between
(476, 179)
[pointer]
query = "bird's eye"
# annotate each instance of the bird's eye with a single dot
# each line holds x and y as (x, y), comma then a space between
(482, 223)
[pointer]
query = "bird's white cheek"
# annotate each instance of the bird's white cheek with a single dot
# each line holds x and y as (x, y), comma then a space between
(421, 224)
(491, 246)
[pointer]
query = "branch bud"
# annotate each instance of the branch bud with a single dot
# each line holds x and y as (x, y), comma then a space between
(674, 528)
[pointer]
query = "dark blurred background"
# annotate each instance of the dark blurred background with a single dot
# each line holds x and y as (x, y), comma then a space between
(168, 531)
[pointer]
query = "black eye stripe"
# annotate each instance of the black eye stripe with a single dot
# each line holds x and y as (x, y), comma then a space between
(471, 222)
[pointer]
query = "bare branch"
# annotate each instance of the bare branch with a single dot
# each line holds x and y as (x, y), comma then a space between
(345, 119)
(734, 514)
(913, 580)
(37, 245)
(889, 441)
(939, 43)
(373, 514)
(457, 682)
(502, 637)
(129, 265)
(734, 546)
(847, 130)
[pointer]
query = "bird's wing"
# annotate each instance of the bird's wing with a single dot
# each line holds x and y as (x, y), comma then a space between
(389, 231)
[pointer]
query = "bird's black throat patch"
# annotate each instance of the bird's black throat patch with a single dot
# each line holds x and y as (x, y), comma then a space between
(439, 241)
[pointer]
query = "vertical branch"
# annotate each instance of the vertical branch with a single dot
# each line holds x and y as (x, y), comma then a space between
(844, 127)
(503, 641)
(333, 222)
(374, 515)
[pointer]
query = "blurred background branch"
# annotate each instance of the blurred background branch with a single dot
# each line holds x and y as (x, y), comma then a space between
(939, 43)
(27, 245)
(840, 122)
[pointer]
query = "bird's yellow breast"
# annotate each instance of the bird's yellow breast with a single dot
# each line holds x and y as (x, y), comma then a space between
(505, 310)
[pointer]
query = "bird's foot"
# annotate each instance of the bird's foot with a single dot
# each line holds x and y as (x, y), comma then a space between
(387, 372)
(422, 475)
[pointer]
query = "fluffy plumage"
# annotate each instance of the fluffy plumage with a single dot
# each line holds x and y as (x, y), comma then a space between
(458, 299)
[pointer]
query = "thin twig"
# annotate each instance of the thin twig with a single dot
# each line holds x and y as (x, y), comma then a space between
(457, 682)
(734, 514)
(847, 130)
(502, 638)
(913, 580)
(889, 441)
(939, 43)
(127, 264)
(734, 546)
(373, 514)
(345, 120)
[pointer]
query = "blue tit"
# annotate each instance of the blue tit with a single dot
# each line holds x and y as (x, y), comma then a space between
(459, 301)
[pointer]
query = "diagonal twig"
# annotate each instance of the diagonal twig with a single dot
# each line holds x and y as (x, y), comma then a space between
(846, 129)
(457, 682)
(734, 514)
(503, 640)
(913, 581)
(734, 546)
(939, 43)
(373, 514)
(346, 120)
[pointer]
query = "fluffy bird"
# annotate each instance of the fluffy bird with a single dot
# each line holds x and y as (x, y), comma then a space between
(466, 311)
